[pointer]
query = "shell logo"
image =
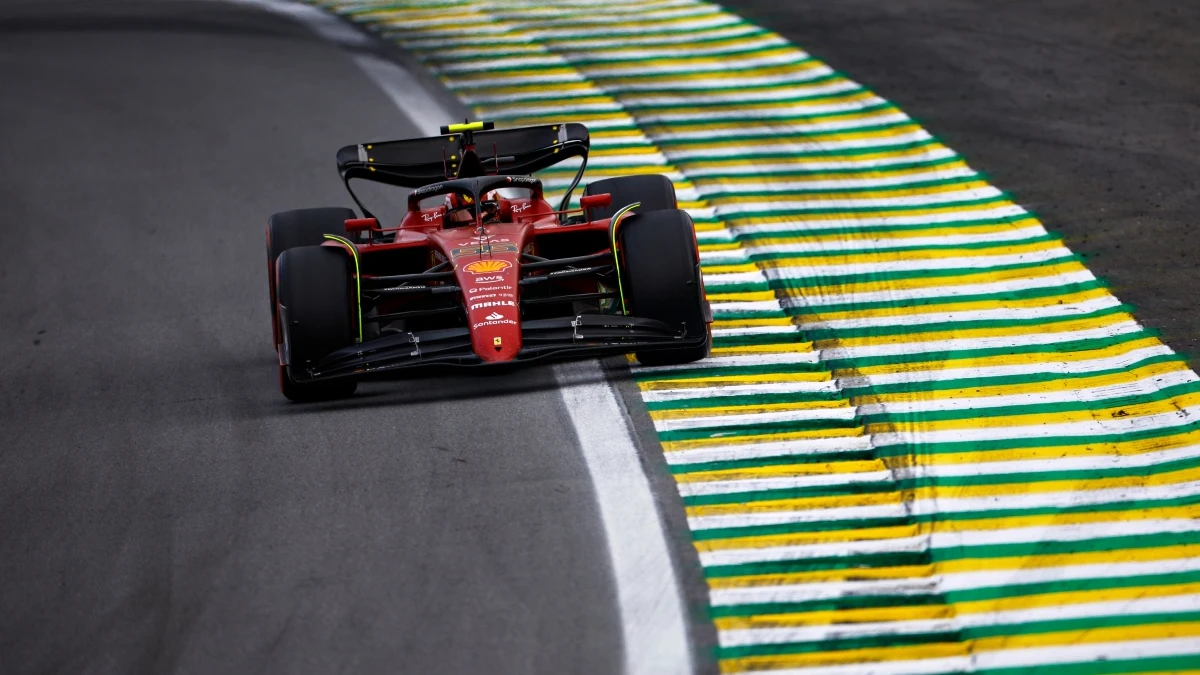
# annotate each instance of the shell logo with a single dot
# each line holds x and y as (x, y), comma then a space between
(487, 266)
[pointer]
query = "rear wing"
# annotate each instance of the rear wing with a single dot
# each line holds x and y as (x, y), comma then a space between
(421, 161)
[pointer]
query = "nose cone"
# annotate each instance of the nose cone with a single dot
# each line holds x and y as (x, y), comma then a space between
(489, 287)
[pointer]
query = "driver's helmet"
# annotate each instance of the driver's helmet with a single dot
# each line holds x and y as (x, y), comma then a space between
(458, 218)
(491, 207)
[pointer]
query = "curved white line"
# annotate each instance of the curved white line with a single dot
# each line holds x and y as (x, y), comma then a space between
(652, 615)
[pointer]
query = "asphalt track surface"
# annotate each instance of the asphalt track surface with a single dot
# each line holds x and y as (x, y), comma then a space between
(162, 507)
(1086, 111)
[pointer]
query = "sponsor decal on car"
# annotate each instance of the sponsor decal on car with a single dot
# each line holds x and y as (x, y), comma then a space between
(493, 303)
(493, 322)
(422, 192)
(487, 247)
(488, 266)
(473, 295)
(494, 319)
(522, 207)
(487, 280)
(430, 217)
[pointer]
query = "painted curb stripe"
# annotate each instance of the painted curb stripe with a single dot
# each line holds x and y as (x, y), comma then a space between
(928, 439)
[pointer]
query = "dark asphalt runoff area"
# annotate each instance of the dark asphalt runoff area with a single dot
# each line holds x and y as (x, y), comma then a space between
(1087, 111)
(162, 507)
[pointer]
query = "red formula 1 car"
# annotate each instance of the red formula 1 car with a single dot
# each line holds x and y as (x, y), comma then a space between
(482, 270)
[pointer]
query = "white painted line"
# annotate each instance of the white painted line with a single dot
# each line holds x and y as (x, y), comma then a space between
(804, 270)
(884, 243)
(1079, 429)
(327, 26)
(652, 613)
(1136, 606)
(742, 360)
(792, 448)
(818, 591)
(899, 296)
(1071, 498)
(830, 515)
(406, 92)
(922, 543)
(648, 597)
(941, 583)
(758, 389)
(999, 314)
(818, 204)
(1113, 395)
(728, 487)
(701, 421)
(753, 330)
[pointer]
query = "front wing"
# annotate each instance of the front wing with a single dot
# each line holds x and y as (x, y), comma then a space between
(585, 335)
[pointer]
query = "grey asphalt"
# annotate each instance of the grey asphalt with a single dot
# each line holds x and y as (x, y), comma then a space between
(162, 508)
(1087, 111)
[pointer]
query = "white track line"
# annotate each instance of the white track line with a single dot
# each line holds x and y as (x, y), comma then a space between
(325, 25)
(652, 613)
(406, 92)
(652, 617)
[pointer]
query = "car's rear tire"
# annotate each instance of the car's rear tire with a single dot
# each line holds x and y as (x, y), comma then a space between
(654, 191)
(662, 281)
(302, 227)
(316, 314)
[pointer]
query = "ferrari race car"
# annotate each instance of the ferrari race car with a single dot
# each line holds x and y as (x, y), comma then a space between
(481, 270)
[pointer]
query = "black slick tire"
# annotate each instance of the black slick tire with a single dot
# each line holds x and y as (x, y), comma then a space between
(655, 192)
(662, 281)
(316, 313)
(301, 227)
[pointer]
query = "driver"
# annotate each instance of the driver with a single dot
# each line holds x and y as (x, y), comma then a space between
(460, 210)
(491, 208)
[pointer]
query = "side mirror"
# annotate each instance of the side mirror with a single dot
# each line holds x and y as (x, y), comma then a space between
(361, 224)
(593, 201)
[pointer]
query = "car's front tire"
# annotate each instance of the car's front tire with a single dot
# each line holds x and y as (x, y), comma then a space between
(301, 227)
(662, 281)
(654, 192)
(316, 314)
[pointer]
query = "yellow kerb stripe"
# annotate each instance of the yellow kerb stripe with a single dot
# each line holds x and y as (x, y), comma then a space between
(961, 566)
(1063, 385)
(1030, 358)
(925, 528)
